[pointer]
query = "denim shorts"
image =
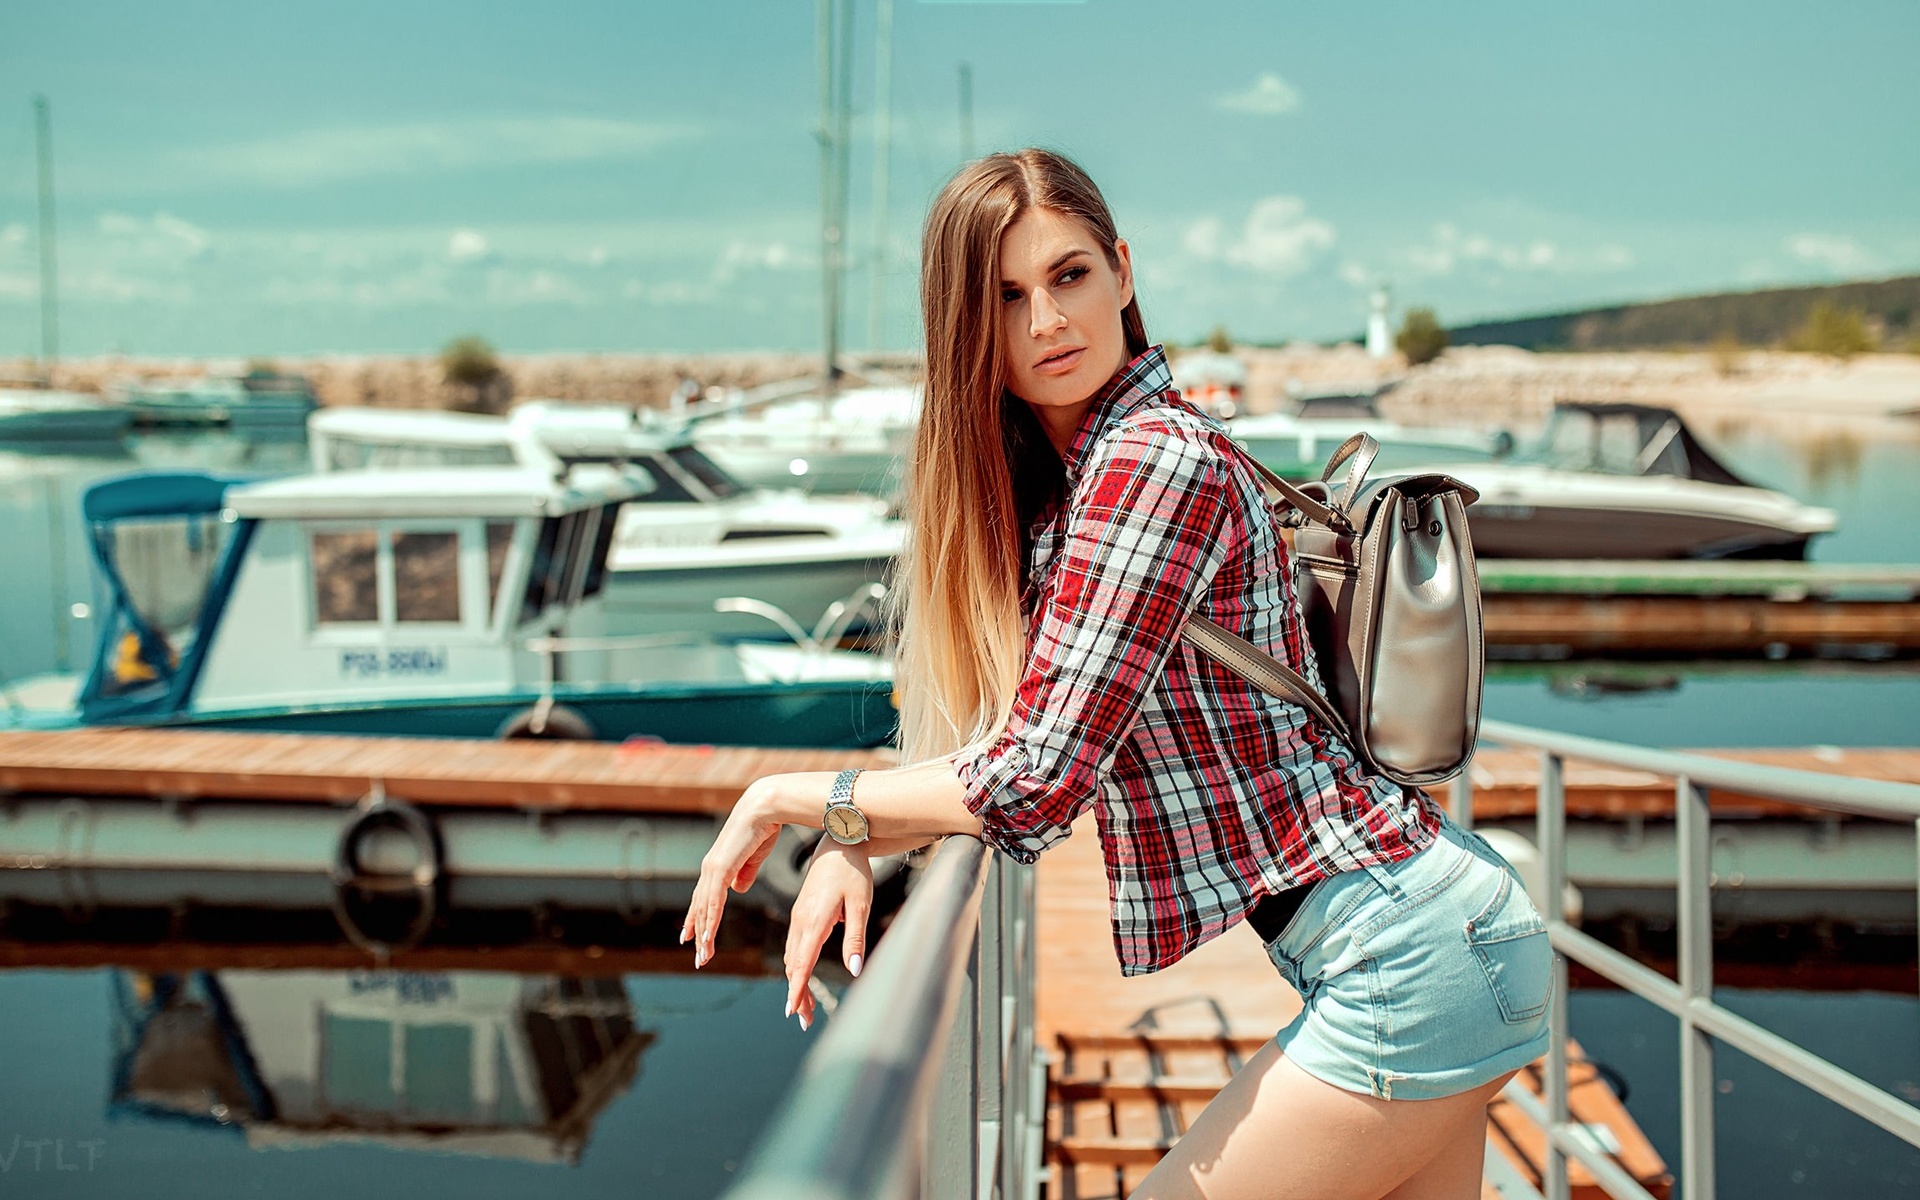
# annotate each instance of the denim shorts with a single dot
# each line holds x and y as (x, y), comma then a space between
(1419, 979)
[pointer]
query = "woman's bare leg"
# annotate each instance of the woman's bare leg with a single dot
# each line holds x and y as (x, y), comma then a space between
(1277, 1133)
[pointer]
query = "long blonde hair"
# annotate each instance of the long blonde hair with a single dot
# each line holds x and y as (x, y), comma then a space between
(982, 468)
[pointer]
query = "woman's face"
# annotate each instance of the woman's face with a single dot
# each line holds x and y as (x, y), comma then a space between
(1060, 306)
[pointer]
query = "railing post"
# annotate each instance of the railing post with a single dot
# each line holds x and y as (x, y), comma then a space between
(950, 1164)
(1460, 798)
(1694, 835)
(1551, 832)
(990, 1066)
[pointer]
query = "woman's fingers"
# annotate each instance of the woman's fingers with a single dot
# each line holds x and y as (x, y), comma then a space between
(806, 934)
(853, 942)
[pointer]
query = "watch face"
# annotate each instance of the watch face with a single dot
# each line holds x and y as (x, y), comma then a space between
(846, 824)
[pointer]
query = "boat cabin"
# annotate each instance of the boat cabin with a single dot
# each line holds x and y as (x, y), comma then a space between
(1628, 439)
(221, 594)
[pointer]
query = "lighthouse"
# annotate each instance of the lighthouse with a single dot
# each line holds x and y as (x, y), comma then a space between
(1379, 339)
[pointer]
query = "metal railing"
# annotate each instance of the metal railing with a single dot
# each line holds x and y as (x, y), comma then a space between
(926, 1081)
(1690, 998)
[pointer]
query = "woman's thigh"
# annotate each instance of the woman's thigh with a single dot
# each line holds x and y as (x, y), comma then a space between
(1277, 1133)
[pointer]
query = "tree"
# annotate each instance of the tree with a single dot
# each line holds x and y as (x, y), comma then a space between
(472, 372)
(1832, 330)
(1220, 341)
(1421, 337)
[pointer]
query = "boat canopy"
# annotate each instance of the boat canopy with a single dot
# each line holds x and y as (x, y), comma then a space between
(436, 492)
(166, 553)
(1618, 438)
(155, 494)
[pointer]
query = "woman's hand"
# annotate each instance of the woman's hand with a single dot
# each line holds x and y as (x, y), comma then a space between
(838, 887)
(733, 861)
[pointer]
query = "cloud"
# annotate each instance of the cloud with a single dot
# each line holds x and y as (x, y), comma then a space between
(468, 245)
(1270, 96)
(1841, 255)
(1451, 250)
(1278, 238)
(330, 155)
(161, 235)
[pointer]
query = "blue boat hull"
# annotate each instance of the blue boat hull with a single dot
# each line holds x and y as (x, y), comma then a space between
(833, 716)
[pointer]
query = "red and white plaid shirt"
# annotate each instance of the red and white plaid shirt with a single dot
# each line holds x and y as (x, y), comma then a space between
(1209, 793)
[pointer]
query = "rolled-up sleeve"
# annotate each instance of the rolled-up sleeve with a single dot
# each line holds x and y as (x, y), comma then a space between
(1146, 530)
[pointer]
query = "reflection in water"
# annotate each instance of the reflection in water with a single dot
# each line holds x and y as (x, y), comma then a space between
(470, 1062)
(1832, 458)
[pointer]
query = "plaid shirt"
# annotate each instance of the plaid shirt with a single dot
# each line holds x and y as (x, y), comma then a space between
(1208, 793)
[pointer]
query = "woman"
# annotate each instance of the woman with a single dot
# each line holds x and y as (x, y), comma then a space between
(1071, 513)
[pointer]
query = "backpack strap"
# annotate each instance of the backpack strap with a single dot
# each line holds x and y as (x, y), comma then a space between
(1263, 671)
(1291, 495)
(1362, 449)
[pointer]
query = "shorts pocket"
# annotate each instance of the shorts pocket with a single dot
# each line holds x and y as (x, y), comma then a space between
(1510, 940)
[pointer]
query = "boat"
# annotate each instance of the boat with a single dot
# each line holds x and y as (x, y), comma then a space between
(699, 533)
(1297, 444)
(438, 602)
(1628, 481)
(855, 441)
(483, 1063)
(32, 415)
(259, 402)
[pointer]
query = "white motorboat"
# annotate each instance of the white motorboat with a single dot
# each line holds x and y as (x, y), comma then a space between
(1628, 481)
(698, 535)
(31, 415)
(450, 602)
(856, 441)
(1297, 444)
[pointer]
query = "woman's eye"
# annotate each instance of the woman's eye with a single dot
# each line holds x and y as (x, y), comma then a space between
(1071, 274)
(1009, 295)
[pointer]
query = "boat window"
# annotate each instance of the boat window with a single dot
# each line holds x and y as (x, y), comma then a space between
(708, 472)
(499, 541)
(602, 543)
(346, 576)
(355, 454)
(426, 576)
(542, 588)
(666, 488)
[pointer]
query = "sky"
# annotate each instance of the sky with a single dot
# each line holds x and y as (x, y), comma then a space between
(248, 179)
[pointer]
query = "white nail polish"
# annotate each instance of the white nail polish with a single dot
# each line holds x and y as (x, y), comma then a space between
(854, 964)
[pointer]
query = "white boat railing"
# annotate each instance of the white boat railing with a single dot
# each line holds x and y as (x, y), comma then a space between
(926, 1081)
(1703, 1023)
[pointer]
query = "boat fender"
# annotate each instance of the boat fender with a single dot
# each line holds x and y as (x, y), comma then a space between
(351, 877)
(548, 722)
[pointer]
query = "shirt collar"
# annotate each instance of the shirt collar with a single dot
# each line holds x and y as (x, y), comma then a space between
(1142, 379)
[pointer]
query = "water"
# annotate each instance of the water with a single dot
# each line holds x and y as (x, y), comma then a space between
(714, 1057)
(720, 1056)
(1772, 1138)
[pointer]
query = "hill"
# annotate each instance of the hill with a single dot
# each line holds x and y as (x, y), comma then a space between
(1766, 318)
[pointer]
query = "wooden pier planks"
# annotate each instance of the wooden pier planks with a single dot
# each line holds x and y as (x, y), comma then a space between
(1693, 608)
(559, 776)
(523, 775)
(1138, 1058)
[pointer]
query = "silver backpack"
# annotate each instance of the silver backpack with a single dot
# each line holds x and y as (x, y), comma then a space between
(1385, 577)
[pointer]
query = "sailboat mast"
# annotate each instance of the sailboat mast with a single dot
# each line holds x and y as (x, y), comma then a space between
(966, 112)
(829, 226)
(882, 153)
(49, 299)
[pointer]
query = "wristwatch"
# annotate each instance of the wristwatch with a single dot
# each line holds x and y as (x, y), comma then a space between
(844, 822)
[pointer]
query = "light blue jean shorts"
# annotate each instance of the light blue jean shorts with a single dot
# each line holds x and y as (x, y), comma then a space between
(1421, 978)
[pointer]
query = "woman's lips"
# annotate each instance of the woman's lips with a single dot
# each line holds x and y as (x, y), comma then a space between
(1060, 364)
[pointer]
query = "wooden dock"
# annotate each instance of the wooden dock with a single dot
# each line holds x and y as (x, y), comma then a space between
(558, 777)
(1136, 1059)
(534, 776)
(1694, 608)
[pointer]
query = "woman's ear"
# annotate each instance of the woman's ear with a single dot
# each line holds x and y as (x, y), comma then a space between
(1124, 270)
